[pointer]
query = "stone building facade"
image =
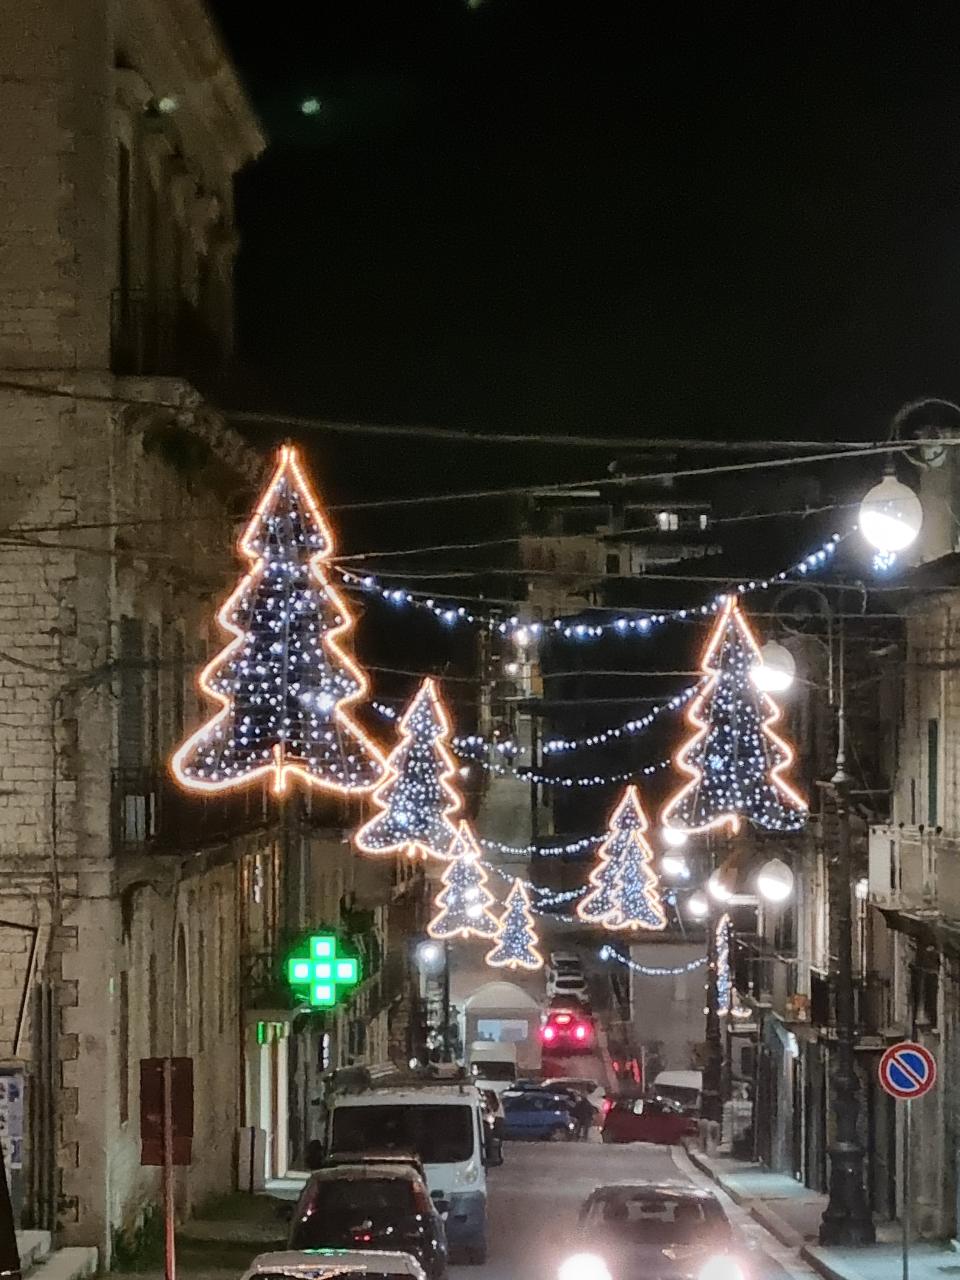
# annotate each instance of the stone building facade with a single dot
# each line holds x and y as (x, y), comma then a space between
(135, 920)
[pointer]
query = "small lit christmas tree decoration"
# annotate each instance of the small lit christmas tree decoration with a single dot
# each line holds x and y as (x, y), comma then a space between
(417, 799)
(517, 940)
(724, 979)
(734, 760)
(283, 683)
(626, 890)
(464, 901)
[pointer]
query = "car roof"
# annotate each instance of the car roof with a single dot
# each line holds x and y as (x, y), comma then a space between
(572, 1080)
(564, 955)
(679, 1079)
(532, 1093)
(651, 1190)
(450, 1096)
(338, 1261)
(397, 1169)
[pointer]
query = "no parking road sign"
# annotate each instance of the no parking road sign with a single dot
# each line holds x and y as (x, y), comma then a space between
(907, 1070)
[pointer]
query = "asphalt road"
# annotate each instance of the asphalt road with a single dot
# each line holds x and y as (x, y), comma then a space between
(535, 1195)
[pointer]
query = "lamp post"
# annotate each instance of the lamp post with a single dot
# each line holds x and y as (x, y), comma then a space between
(846, 1219)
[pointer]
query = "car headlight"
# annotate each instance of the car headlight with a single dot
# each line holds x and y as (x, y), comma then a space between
(721, 1267)
(583, 1266)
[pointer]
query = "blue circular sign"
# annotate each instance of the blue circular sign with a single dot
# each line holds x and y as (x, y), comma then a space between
(907, 1070)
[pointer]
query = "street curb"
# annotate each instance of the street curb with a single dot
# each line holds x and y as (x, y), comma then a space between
(768, 1218)
(812, 1255)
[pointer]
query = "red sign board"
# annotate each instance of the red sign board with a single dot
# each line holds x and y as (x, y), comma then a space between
(151, 1109)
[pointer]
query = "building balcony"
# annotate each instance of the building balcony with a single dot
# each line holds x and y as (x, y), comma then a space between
(915, 870)
(151, 813)
(161, 335)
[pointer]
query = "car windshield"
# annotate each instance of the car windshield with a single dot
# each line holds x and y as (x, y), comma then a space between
(328, 1273)
(438, 1134)
(568, 967)
(638, 1217)
(679, 1093)
(329, 1208)
(495, 1070)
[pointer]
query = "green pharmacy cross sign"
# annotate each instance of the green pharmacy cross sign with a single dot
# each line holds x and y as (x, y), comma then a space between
(321, 973)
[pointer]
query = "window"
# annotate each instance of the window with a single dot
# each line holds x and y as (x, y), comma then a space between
(704, 520)
(613, 562)
(933, 770)
(123, 1048)
(153, 693)
(667, 521)
(439, 1134)
(131, 728)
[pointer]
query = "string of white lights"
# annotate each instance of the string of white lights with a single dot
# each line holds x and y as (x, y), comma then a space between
(455, 614)
(549, 851)
(608, 953)
(546, 780)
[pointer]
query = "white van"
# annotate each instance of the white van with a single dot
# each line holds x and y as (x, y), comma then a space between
(444, 1125)
(493, 1065)
(685, 1087)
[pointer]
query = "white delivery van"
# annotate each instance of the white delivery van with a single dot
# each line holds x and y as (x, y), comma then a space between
(443, 1124)
(492, 1065)
(685, 1087)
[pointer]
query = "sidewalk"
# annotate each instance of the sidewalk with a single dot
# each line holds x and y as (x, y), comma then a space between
(791, 1213)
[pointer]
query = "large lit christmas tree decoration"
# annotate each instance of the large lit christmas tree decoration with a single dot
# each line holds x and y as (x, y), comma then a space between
(734, 761)
(626, 890)
(464, 901)
(417, 800)
(517, 941)
(284, 684)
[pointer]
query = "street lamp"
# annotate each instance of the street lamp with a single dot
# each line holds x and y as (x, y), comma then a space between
(676, 837)
(718, 889)
(775, 881)
(673, 866)
(698, 906)
(890, 515)
(775, 669)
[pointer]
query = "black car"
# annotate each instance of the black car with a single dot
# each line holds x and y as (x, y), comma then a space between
(371, 1206)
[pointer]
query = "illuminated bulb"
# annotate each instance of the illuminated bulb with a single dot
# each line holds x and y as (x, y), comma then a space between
(511, 668)
(717, 889)
(775, 881)
(167, 105)
(522, 637)
(311, 106)
(675, 837)
(698, 906)
(474, 911)
(775, 669)
(673, 865)
(465, 771)
(890, 515)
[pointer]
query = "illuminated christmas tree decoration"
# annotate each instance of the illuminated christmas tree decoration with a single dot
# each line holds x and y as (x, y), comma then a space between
(283, 683)
(417, 799)
(318, 972)
(464, 901)
(517, 940)
(734, 760)
(724, 980)
(626, 892)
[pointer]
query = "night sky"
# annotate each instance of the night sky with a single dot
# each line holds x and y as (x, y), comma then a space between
(725, 219)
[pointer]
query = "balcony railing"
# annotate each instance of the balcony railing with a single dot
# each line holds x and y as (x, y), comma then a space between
(151, 813)
(913, 869)
(161, 335)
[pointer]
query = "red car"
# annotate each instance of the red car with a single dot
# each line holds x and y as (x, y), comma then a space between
(647, 1120)
(567, 1031)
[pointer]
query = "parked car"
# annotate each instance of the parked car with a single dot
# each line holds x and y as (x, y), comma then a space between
(567, 1031)
(647, 1120)
(592, 1090)
(685, 1087)
(564, 974)
(661, 1231)
(371, 1205)
(331, 1264)
(536, 1113)
(409, 1158)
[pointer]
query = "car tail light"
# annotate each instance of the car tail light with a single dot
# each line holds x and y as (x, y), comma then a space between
(606, 1105)
(581, 1032)
(549, 1033)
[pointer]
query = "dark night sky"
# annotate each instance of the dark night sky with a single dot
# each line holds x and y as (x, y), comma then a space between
(727, 219)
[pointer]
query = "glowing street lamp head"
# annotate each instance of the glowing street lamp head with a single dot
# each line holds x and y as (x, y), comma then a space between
(675, 837)
(890, 516)
(775, 881)
(718, 889)
(673, 865)
(698, 906)
(774, 670)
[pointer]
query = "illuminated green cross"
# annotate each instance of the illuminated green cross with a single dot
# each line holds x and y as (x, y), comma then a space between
(321, 971)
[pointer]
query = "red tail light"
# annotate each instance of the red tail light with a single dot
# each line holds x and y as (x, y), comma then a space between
(581, 1032)
(606, 1105)
(549, 1033)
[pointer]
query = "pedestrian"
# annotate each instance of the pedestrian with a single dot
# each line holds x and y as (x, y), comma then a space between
(583, 1113)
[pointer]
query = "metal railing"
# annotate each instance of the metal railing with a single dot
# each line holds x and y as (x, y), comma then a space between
(150, 812)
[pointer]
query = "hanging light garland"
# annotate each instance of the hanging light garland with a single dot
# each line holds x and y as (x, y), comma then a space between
(283, 683)
(724, 980)
(454, 615)
(608, 953)
(417, 800)
(734, 760)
